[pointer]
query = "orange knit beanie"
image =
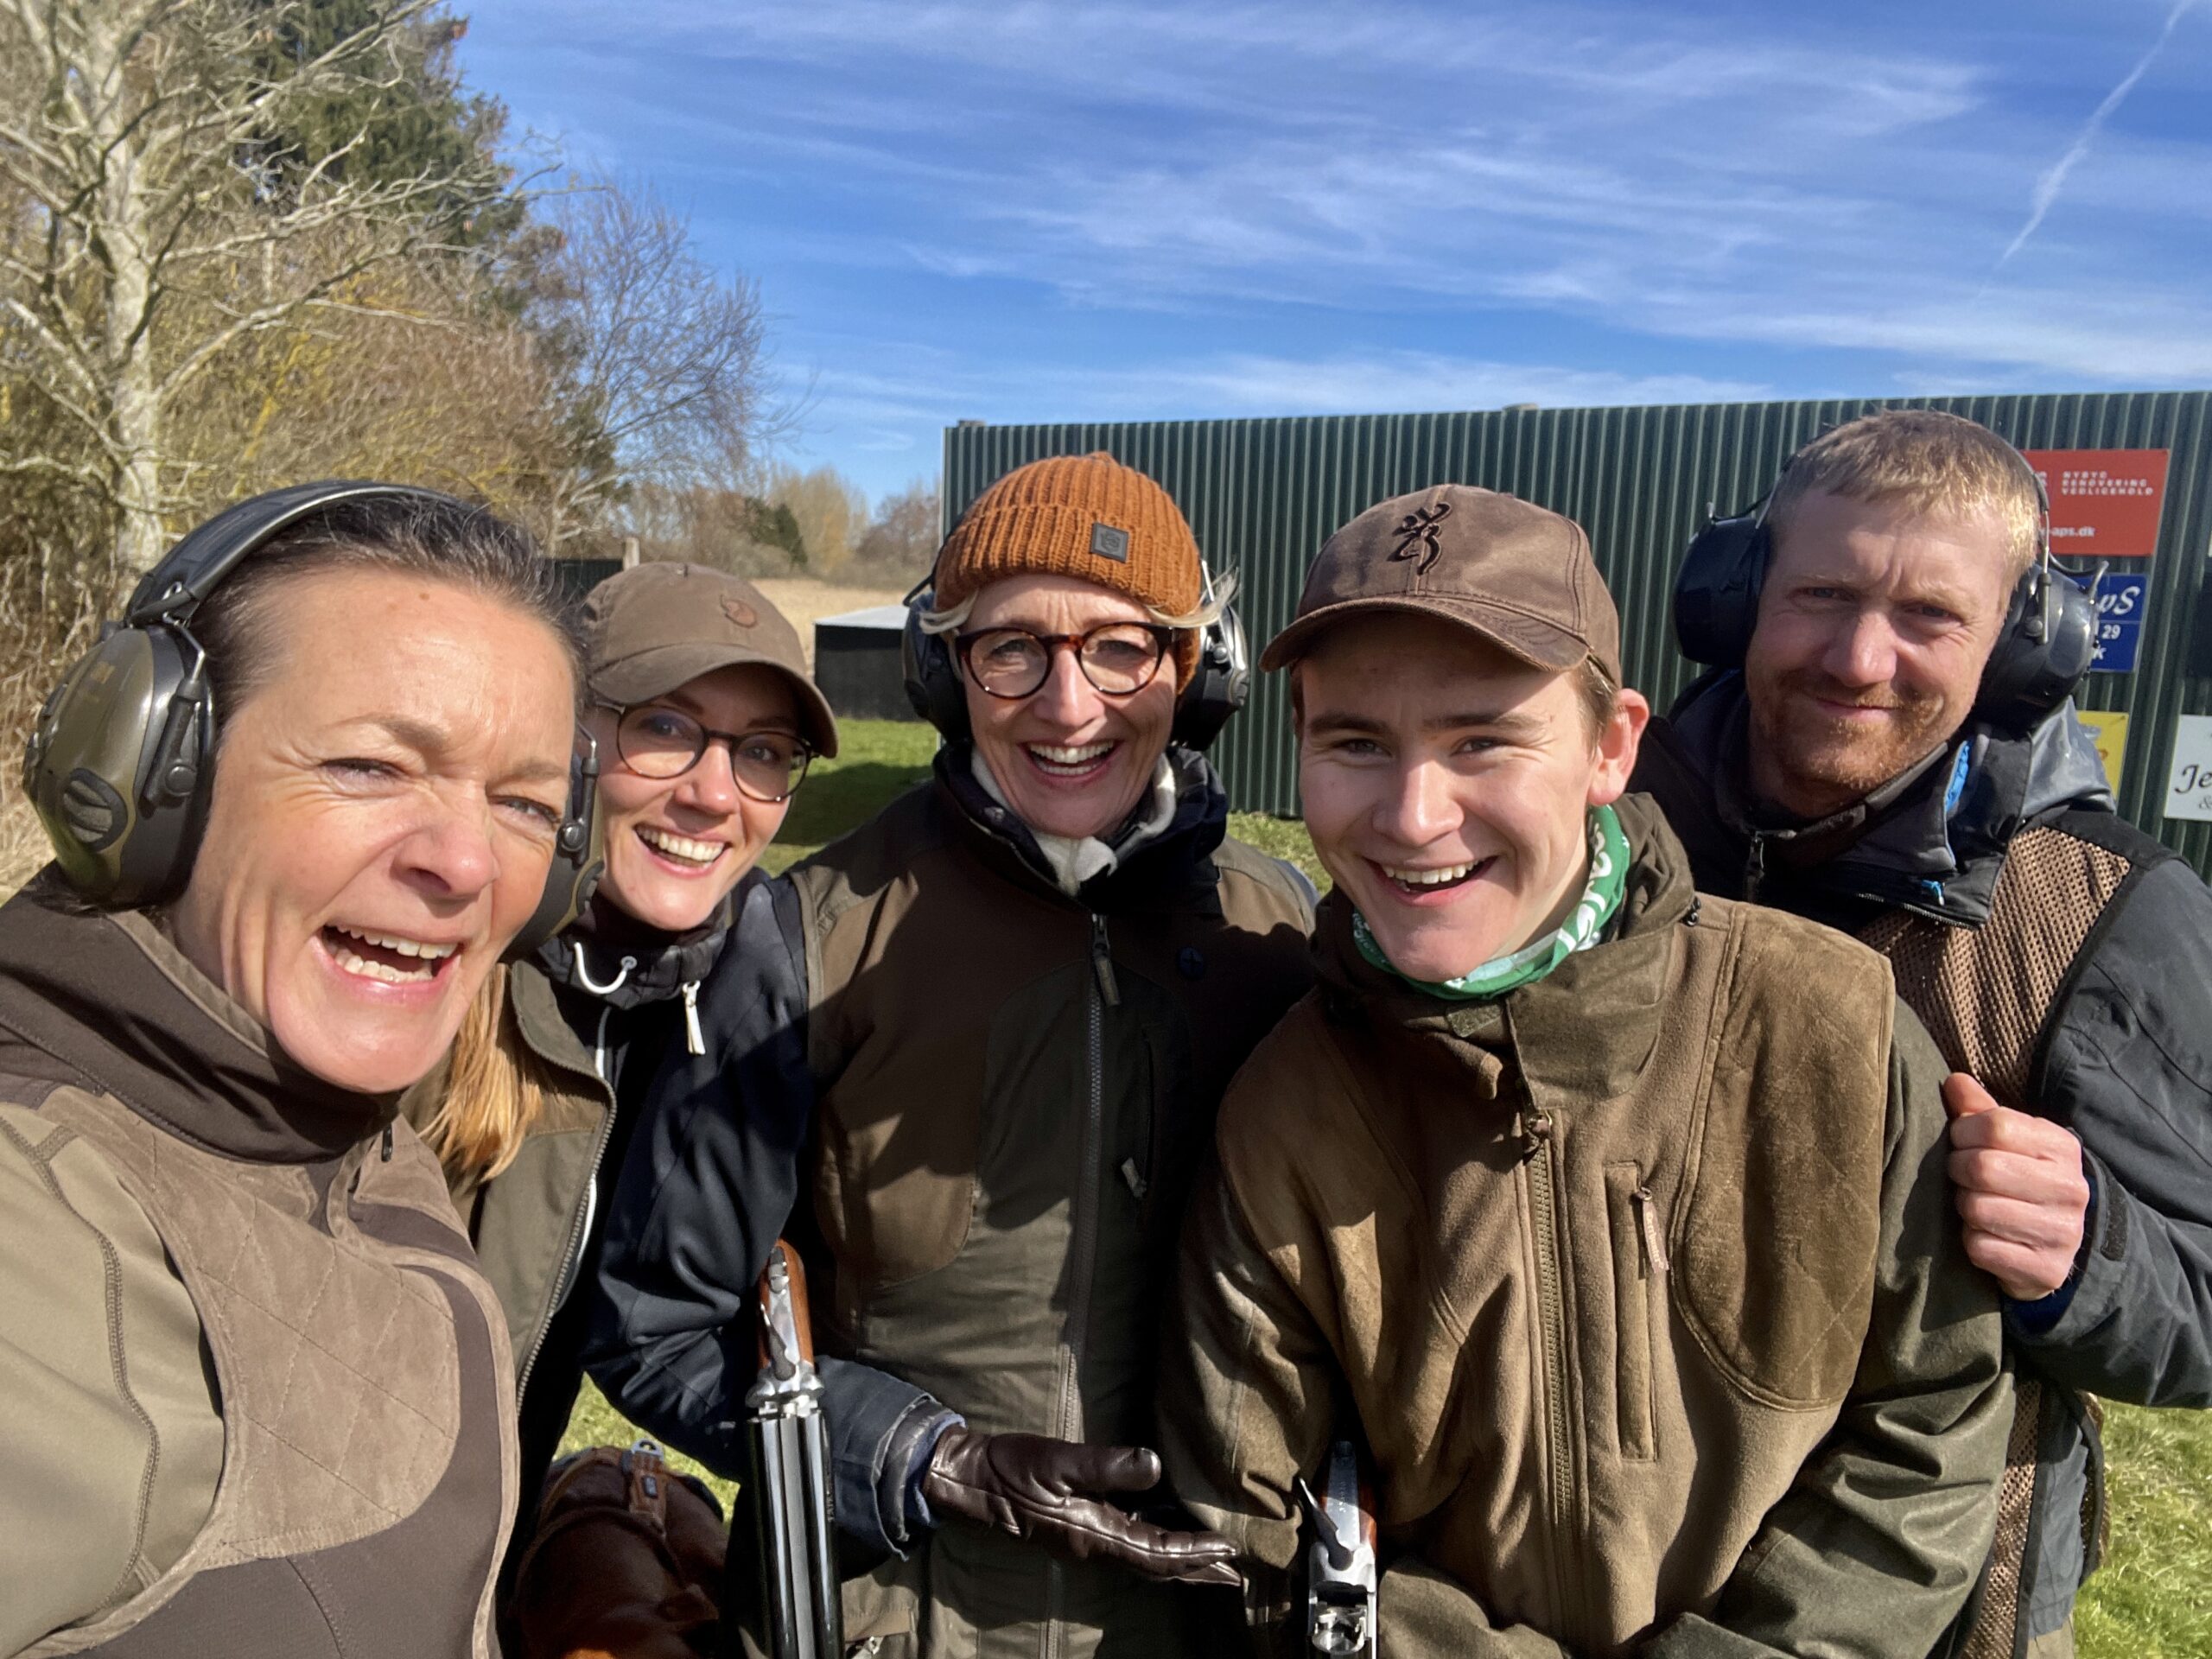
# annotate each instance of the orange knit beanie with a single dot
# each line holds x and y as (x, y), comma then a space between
(1088, 517)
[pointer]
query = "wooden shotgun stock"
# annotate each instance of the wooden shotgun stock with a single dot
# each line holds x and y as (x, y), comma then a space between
(798, 1329)
(782, 1571)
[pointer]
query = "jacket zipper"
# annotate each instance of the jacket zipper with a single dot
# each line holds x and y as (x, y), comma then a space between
(1647, 1219)
(1105, 993)
(1551, 1313)
(579, 1228)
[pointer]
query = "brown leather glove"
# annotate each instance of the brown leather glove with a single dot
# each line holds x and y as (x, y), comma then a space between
(1035, 1488)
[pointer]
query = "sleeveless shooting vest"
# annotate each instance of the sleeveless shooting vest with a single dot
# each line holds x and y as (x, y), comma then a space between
(368, 1435)
(1989, 996)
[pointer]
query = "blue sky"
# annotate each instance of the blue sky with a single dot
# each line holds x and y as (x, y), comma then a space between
(1128, 211)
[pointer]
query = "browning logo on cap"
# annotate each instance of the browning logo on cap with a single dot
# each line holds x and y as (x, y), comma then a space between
(1520, 575)
(1417, 533)
(739, 612)
(1108, 542)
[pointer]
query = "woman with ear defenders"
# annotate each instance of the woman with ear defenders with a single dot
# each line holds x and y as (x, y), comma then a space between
(300, 804)
(1017, 994)
(704, 720)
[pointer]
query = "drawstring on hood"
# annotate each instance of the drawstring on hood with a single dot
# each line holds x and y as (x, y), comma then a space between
(650, 966)
(583, 973)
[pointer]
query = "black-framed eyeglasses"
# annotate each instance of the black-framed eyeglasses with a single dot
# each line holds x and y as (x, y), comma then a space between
(1118, 659)
(659, 741)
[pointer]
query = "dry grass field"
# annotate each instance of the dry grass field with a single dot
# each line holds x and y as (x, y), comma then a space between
(807, 602)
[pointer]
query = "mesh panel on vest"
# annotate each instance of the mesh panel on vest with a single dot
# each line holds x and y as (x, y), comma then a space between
(1997, 1621)
(1984, 994)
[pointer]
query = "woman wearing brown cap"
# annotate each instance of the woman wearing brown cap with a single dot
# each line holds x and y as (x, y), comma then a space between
(698, 699)
(1020, 991)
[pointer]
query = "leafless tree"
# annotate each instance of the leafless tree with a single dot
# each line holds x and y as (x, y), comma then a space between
(831, 511)
(136, 134)
(901, 541)
(663, 354)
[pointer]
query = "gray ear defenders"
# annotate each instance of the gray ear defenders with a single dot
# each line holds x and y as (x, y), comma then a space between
(2044, 649)
(1218, 687)
(120, 764)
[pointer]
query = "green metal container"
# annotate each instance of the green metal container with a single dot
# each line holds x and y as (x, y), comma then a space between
(1262, 495)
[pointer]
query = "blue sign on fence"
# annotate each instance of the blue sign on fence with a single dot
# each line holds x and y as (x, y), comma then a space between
(2121, 600)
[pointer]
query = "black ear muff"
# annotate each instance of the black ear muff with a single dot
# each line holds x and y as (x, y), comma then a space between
(2044, 649)
(1220, 684)
(118, 765)
(579, 856)
(925, 662)
(2045, 646)
(115, 763)
(2047, 641)
(1717, 590)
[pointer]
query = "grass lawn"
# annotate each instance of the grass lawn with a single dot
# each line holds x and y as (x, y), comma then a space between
(2153, 1598)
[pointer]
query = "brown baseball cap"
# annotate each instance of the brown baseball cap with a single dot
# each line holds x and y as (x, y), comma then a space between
(1517, 575)
(653, 627)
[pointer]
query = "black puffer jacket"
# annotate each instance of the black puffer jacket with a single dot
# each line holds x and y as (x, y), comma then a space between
(2120, 1050)
(625, 996)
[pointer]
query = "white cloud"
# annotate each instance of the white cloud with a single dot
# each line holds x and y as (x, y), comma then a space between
(930, 388)
(2054, 180)
(1585, 173)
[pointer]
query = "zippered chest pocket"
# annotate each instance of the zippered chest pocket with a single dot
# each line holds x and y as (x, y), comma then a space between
(1157, 1127)
(1640, 1265)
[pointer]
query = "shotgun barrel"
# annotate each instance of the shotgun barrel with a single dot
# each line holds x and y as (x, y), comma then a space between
(782, 1571)
(1341, 1574)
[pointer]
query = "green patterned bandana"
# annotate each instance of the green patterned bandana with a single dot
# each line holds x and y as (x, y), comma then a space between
(1601, 897)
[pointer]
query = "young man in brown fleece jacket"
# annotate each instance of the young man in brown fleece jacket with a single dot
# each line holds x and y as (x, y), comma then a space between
(1609, 1218)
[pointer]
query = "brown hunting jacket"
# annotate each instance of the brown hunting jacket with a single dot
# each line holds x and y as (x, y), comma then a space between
(1014, 1088)
(1641, 1285)
(257, 1398)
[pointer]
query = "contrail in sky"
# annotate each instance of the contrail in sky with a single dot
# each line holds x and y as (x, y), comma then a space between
(2048, 186)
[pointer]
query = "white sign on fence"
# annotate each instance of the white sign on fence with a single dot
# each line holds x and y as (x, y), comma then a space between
(2188, 787)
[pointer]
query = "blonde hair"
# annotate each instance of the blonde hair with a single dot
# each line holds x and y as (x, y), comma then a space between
(495, 1089)
(1927, 461)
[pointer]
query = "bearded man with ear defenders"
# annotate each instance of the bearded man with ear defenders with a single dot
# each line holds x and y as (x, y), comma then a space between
(1887, 744)
(1015, 997)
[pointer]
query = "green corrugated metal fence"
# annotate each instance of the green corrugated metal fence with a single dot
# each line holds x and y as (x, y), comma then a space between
(1263, 494)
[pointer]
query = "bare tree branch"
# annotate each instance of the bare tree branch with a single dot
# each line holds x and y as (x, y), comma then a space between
(134, 129)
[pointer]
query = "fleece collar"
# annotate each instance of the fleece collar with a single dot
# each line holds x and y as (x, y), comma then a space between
(1150, 859)
(1075, 863)
(111, 998)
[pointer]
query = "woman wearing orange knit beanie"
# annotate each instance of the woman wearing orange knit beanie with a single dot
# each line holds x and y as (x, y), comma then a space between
(1020, 991)
(1073, 740)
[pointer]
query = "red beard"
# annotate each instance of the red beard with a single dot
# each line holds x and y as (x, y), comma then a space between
(1828, 762)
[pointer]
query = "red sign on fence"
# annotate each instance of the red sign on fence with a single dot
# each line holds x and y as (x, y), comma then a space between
(2104, 503)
